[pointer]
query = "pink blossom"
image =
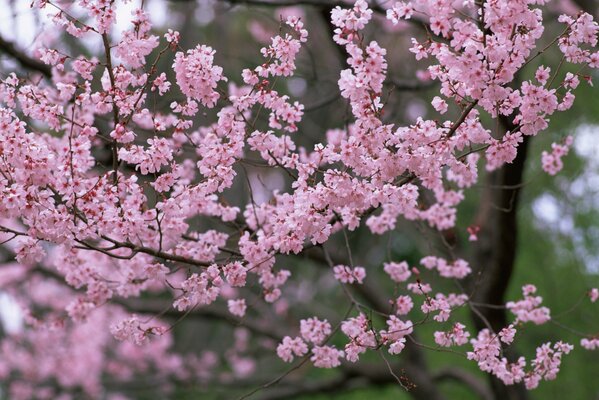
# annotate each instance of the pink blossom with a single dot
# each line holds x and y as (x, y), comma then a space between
(110, 198)
(172, 37)
(314, 330)
(456, 336)
(398, 272)
(122, 135)
(85, 67)
(400, 10)
(345, 274)
(590, 343)
(439, 104)
(161, 84)
(552, 162)
(197, 77)
(326, 356)
(237, 307)
(29, 251)
(291, 347)
(403, 305)
(529, 308)
(507, 334)
(542, 74)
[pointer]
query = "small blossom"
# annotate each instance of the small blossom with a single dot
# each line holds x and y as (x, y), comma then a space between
(348, 275)
(594, 294)
(291, 347)
(237, 307)
(326, 357)
(439, 104)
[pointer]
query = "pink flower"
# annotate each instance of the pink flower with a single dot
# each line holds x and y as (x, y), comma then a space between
(129, 329)
(172, 37)
(29, 251)
(542, 74)
(400, 10)
(439, 104)
(348, 275)
(594, 294)
(590, 343)
(197, 77)
(552, 162)
(394, 336)
(235, 274)
(122, 135)
(289, 348)
(456, 336)
(507, 334)
(237, 307)
(529, 308)
(161, 83)
(473, 233)
(398, 272)
(404, 304)
(326, 356)
(314, 330)
(85, 67)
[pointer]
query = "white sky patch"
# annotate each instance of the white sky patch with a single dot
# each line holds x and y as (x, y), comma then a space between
(11, 314)
(158, 11)
(205, 12)
(18, 22)
(546, 208)
(586, 143)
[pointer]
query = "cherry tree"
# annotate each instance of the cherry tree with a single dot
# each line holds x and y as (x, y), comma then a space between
(133, 201)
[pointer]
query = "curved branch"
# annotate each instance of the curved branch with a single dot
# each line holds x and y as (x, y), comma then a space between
(466, 378)
(333, 385)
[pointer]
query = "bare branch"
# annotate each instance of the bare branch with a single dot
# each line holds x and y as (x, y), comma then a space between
(161, 308)
(471, 381)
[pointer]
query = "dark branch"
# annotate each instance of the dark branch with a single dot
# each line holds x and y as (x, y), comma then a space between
(466, 378)
(495, 252)
(304, 388)
(164, 309)
(589, 6)
(26, 61)
(411, 85)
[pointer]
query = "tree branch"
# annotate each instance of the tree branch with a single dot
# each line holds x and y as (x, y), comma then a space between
(495, 251)
(22, 58)
(589, 6)
(333, 385)
(466, 378)
(164, 309)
